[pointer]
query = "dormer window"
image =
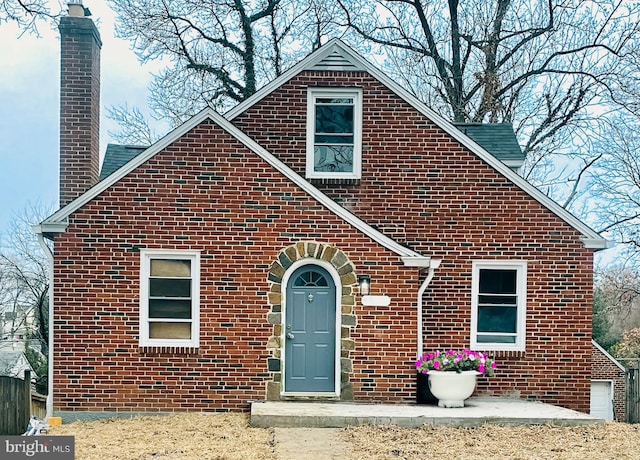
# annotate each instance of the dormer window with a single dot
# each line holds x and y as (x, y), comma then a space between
(334, 133)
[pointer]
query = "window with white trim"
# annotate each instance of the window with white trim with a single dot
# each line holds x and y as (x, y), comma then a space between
(498, 306)
(334, 133)
(170, 298)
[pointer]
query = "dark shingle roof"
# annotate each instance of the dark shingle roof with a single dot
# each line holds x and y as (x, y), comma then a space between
(498, 139)
(117, 156)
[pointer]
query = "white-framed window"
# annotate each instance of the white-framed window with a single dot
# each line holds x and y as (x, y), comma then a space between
(498, 305)
(334, 133)
(169, 298)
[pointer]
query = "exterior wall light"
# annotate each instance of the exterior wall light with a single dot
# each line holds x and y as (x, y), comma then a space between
(365, 284)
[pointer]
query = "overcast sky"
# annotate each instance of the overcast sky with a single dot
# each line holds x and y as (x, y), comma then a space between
(29, 104)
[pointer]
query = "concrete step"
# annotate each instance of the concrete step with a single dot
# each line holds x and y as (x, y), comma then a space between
(477, 411)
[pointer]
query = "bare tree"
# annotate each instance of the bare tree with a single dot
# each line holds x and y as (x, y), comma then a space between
(218, 52)
(618, 292)
(615, 204)
(25, 283)
(26, 14)
(541, 65)
(135, 128)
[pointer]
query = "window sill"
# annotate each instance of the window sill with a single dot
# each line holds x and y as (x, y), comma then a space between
(333, 181)
(168, 350)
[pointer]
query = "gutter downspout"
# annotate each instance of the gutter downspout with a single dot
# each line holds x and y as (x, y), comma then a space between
(435, 263)
(49, 254)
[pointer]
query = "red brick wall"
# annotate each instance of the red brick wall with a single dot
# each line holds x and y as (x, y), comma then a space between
(205, 192)
(210, 194)
(424, 189)
(604, 369)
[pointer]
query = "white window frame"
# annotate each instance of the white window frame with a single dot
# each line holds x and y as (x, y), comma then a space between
(520, 266)
(312, 95)
(146, 256)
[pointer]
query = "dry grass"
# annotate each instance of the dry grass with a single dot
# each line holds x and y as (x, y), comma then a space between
(229, 437)
(194, 436)
(610, 441)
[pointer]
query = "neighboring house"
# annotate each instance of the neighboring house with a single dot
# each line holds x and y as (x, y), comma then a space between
(226, 263)
(608, 385)
(14, 363)
(14, 328)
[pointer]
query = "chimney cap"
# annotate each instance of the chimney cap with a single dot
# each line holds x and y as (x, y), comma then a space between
(77, 9)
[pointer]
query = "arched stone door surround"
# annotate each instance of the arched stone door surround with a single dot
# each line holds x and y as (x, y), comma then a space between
(348, 281)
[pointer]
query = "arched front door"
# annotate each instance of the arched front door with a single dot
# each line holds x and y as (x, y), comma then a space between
(310, 331)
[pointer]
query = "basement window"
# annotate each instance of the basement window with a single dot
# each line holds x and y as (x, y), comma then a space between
(334, 133)
(498, 306)
(170, 298)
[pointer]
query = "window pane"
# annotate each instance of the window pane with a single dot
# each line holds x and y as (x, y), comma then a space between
(161, 287)
(334, 119)
(310, 278)
(497, 319)
(175, 309)
(333, 158)
(496, 338)
(171, 268)
(335, 100)
(170, 330)
(497, 281)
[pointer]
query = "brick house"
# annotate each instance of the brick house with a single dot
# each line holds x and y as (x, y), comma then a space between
(608, 385)
(228, 262)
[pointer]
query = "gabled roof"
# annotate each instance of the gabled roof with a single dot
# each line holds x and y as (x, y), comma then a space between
(333, 56)
(14, 363)
(335, 51)
(57, 222)
(609, 357)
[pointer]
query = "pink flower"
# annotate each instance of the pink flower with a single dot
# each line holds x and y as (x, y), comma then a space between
(436, 365)
(481, 368)
(493, 365)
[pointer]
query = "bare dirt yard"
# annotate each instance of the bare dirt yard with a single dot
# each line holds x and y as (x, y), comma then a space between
(229, 437)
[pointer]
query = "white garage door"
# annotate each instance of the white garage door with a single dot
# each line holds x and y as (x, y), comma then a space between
(602, 399)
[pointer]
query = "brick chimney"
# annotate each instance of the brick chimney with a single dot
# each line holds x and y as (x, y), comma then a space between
(79, 102)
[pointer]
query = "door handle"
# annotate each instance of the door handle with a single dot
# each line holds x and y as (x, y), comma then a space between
(290, 335)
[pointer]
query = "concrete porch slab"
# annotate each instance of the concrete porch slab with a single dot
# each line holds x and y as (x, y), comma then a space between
(477, 411)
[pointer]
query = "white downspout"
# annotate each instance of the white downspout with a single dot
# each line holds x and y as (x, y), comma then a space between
(435, 263)
(47, 251)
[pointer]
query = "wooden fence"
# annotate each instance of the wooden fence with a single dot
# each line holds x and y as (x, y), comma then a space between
(633, 395)
(17, 404)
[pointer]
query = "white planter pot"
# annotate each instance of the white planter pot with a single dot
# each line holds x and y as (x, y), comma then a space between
(452, 388)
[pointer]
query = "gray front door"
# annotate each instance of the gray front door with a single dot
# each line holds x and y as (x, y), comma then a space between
(310, 331)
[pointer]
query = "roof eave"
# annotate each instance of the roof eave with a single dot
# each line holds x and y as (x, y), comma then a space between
(596, 243)
(50, 229)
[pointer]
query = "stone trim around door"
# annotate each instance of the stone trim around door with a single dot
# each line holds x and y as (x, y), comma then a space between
(348, 282)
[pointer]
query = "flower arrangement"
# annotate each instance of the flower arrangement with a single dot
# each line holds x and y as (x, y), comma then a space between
(456, 361)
